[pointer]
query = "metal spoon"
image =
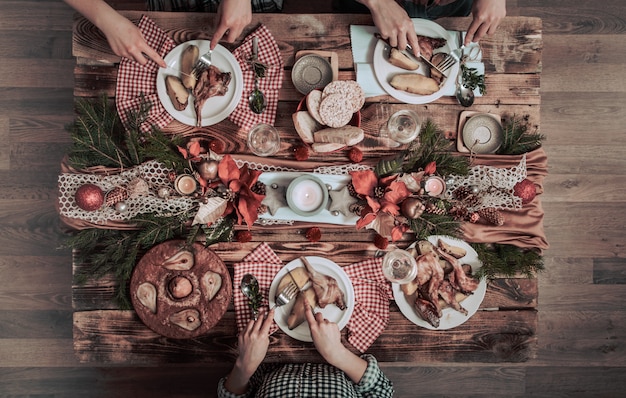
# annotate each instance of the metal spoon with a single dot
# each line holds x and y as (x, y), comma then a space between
(463, 94)
(250, 288)
(257, 98)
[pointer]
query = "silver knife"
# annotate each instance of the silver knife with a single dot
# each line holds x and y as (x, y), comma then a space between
(410, 54)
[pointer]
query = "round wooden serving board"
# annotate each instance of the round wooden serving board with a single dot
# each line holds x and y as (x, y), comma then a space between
(150, 269)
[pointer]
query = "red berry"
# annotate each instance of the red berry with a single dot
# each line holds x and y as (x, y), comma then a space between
(301, 152)
(216, 146)
(244, 236)
(313, 234)
(355, 155)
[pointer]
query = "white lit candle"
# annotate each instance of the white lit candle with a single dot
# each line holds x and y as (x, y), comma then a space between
(434, 186)
(307, 195)
(185, 184)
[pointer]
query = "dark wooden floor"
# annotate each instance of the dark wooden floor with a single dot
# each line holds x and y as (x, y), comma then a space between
(582, 318)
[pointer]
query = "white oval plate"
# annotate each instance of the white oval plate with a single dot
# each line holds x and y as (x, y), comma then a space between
(331, 312)
(451, 318)
(215, 109)
(384, 71)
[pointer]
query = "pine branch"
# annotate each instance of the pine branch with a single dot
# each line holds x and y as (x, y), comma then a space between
(97, 136)
(434, 147)
(517, 138)
(435, 224)
(507, 260)
(162, 148)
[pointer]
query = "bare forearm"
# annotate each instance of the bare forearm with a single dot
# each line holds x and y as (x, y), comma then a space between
(97, 11)
(239, 378)
(352, 365)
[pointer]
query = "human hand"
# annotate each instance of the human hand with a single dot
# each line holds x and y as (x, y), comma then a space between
(326, 335)
(253, 342)
(393, 23)
(232, 16)
(487, 16)
(126, 40)
(327, 339)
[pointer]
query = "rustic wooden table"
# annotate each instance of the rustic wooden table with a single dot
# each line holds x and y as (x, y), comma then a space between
(504, 328)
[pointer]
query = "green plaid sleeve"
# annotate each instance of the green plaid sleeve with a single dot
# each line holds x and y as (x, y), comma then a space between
(374, 383)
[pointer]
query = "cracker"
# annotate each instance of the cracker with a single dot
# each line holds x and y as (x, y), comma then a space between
(335, 110)
(348, 88)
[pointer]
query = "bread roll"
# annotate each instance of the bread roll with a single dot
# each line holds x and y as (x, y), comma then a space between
(313, 100)
(347, 135)
(414, 83)
(325, 147)
(305, 125)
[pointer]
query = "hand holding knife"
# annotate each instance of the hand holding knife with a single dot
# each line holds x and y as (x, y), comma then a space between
(410, 54)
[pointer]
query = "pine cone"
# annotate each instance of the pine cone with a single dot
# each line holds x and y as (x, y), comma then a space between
(258, 188)
(466, 196)
(262, 209)
(351, 190)
(462, 192)
(116, 195)
(492, 215)
(356, 208)
(229, 195)
(459, 212)
(438, 208)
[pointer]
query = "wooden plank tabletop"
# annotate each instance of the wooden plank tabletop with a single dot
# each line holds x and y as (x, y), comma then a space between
(503, 329)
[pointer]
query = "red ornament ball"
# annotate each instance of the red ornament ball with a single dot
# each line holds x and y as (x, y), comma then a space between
(89, 197)
(525, 190)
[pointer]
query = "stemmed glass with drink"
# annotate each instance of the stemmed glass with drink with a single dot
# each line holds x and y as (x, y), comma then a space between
(399, 266)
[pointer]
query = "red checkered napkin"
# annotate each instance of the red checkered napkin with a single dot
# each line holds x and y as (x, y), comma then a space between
(269, 54)
(264, 264)
(372, 293)
(136, 82)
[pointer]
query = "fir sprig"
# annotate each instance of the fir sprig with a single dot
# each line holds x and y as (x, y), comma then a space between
(507, 260)
(435, 224)
(98, 136)
(432, 146)
(517, 138)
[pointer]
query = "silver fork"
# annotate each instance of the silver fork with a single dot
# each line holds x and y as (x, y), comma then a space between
(286, 295)
(446, 63)
(204, 62)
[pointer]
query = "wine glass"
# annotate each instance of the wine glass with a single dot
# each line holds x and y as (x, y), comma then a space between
(264, 140)
(399, 266)
(404, 126)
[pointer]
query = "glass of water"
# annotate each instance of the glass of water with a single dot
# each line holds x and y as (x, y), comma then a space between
(264, 140)
(399, 266)
(404, 126)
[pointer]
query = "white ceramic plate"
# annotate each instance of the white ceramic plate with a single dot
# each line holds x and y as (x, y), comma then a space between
(384, 71)
(215, 109)
(331, 312)
(451, 318)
